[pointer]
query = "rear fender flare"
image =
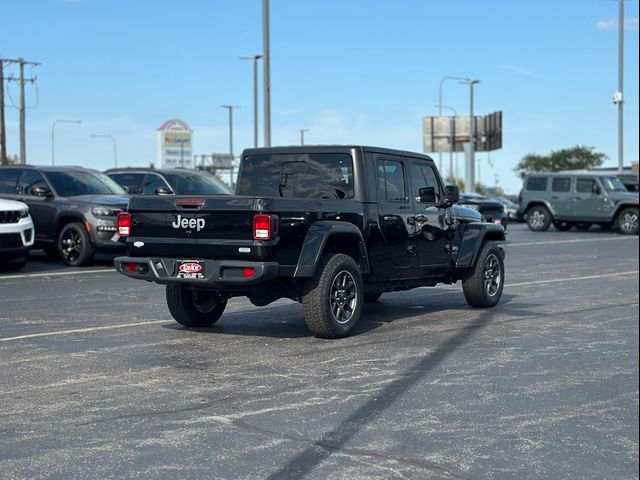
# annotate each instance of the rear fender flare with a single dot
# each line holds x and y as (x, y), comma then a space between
(317, 237)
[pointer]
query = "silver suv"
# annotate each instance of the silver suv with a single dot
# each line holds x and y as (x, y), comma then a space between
(578, 200)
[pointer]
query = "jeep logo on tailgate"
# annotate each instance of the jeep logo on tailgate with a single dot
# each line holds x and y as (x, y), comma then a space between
(190, 223)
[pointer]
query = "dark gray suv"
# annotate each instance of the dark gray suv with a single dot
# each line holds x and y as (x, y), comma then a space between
(578, 200)
(74, 209)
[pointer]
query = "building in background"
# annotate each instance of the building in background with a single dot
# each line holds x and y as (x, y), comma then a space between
(175, 145)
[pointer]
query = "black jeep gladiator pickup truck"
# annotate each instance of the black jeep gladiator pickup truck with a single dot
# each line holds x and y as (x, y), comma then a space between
(331, 227)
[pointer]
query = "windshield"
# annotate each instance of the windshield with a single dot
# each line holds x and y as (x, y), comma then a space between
(197, 184)
(613, 184)
(308, 175)
(70, 184)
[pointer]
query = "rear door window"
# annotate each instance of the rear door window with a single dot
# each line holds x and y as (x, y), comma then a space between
(561, 184)
(537, 184)
(392, 181)
(9, 180)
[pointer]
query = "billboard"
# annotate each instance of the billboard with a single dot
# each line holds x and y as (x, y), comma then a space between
(449, 134)
(175, 146)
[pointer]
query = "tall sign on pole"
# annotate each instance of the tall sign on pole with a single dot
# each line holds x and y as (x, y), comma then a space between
(175, 145)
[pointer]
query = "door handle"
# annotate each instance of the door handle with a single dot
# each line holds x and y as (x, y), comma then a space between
(555, 198)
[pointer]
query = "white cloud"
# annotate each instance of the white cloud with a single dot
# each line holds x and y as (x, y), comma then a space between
(630, 24)
(518, 70)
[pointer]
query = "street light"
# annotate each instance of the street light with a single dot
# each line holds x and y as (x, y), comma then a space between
(255, 59)
(230, 108)
(302, 130)
(470, 167)
(53, 138)
(115, 150)
(452, 136)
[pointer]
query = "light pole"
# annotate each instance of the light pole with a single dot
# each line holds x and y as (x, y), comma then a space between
(255, 59)
(230, 108)
(302, 130)
(266, 76)
(618, 98)
(115, 149)
(442, 80)
(53, 138)
(452, 136)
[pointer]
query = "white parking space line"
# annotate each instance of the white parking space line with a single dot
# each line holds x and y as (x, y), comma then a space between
(57, 274)
(82, 330)
(157, 322)
(579, 240)
(573, 279)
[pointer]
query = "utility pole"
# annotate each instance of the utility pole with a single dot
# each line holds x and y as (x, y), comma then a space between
(22, 107)
(3, 135)
(255, 59)
(266, 61)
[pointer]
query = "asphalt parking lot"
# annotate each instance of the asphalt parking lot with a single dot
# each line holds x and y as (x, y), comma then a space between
(99, 382)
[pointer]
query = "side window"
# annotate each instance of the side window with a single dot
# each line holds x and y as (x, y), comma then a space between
(151, 183)
(391, 181)
(585, 185)
(537, 184)
(30, 180)
(561, 185)
(9, 180)
(424, 183)
(132, 182)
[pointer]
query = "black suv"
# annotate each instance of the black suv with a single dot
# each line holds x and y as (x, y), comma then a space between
(174, 181)
(74, 209)
(329, 226)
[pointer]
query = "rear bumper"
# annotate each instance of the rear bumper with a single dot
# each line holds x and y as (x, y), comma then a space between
(216, 272)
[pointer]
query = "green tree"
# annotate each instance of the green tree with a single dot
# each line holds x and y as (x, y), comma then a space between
(577, 158)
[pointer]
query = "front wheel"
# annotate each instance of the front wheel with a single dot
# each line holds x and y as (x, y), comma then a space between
(194, 308)
(333, 298)
(538, 219)
(483, 286)
(628, 221)
(74, 245)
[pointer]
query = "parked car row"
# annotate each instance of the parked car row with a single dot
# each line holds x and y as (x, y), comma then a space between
(70, 212)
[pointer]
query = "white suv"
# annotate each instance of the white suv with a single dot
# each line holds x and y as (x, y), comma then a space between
(16, 234)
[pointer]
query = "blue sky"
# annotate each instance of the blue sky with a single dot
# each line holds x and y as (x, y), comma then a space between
(351, 71)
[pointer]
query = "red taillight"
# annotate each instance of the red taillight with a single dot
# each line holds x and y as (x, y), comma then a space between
(124, 224)
(248, 272)
(262, 227)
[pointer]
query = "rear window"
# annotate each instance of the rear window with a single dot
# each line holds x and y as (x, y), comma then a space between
(561, 185)
(9, 180)
(308, 175)
(537, 184)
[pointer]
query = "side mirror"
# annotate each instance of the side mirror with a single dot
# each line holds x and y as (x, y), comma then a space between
(126, 189)
(451, 194)
(41, 191)
(427, 195)
(596, 189)
(164, 191)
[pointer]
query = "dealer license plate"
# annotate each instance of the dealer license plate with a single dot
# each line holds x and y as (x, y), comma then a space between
(190, 269)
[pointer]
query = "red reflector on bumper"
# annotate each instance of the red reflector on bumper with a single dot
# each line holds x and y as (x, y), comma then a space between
(131, 267)
(248, 272)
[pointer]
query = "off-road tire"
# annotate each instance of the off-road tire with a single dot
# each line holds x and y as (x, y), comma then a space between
(627, 221)
(483, 286)
(74, 245)
(333, 298)
(194, 308)
(539, 219)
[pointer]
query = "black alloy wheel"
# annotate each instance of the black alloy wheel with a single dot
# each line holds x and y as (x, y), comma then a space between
(74, 245)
